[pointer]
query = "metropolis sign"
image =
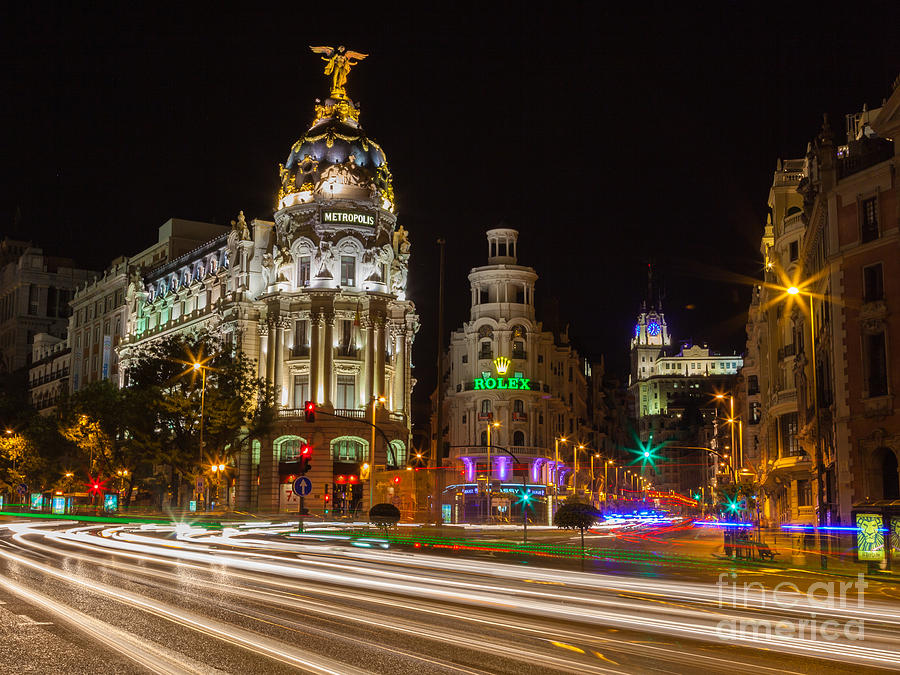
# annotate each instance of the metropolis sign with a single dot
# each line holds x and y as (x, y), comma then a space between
(348, 218)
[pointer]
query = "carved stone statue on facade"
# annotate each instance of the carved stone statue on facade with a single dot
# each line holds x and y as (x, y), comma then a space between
(401, 241)
(241, 228)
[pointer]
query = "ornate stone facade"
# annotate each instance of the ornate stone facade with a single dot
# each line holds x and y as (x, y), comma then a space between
(317, 297)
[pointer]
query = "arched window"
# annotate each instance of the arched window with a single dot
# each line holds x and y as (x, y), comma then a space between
(399, 451)
(287, 448)
(349, 449)
(484, 437)
(519, 438)
(485, 332)
(486, 406)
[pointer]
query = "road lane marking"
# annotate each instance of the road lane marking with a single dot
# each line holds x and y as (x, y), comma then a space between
(600, 656)
(563, 645)
(28, 621)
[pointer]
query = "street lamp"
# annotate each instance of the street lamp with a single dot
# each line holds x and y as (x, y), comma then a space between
(556, 442)
(490, 425)
(731, 420)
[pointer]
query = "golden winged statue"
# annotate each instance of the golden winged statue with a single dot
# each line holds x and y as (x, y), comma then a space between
(339, 62)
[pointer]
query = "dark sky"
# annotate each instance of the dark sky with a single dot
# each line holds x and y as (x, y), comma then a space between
(607, 137)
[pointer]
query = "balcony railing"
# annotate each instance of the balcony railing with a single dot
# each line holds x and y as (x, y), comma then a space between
(299, 352)
(520, 451)
(520, 416)
(346, 351)
(355, 413)
(485, 416)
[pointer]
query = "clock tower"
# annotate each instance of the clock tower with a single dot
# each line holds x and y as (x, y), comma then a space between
(650, 336)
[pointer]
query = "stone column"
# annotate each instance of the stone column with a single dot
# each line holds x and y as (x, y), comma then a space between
(400, 372)
(279, 360)
(270, 354)
(380, 347)
(263, 330)
(328, 359)
(268, 477)
(370, 360)
(243, 486)
(315, 320)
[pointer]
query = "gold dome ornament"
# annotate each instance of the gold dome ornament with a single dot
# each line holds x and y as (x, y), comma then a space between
(338, 64)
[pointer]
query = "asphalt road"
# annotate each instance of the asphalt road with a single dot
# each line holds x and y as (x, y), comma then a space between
(117, 599)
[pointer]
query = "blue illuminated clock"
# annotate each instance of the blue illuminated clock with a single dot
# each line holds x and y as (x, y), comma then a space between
(637, 330)
(653, 328)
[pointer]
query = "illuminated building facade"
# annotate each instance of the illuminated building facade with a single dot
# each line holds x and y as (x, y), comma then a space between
(673, 398)
(98, 310)
(829, 436)
(508, 376)
(48, 376)
(317, 297)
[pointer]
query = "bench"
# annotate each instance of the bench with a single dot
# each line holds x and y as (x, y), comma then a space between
(765, 553)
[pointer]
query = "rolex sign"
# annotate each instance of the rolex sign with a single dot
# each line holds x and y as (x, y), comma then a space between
(348, 218)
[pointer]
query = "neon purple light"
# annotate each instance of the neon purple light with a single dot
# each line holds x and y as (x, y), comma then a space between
(561, 473)
(504, 464)
(720, 523)
(469, 465)
(536, 469)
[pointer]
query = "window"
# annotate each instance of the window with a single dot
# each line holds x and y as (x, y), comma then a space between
(752, 385)
(483, 438)
(346, 392)
(518, 406)
(804, 492)
(486, 406)
(518, 350)
(877, 364)
(289, 449)
(794, 250)
(519, 438)
(540, 358)
(464, 418)
(347, 450)
(303, 271)
(487, 351)
(33, 294)
(348, 270)
(755, 412)
(869, 219)
(789, 443)
(873, 283)
(301, 390)
(465, 358)
(301, 338)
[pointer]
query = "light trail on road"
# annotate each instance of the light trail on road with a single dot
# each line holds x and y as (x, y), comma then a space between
(443, 613)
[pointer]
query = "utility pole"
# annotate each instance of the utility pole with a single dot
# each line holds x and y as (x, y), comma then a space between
(439, 399)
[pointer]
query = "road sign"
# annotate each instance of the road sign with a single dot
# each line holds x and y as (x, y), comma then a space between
(302, 486)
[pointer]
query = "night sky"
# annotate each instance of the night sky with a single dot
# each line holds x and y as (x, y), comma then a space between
(606, 138)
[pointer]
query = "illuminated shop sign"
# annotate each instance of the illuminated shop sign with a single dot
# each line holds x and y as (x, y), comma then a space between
(502, 383)
(348, 218)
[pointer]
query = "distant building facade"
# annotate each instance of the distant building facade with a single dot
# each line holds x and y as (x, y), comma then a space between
(673, 395)
(48, 375)
(504, 368)
(99, 313)
(35, 290)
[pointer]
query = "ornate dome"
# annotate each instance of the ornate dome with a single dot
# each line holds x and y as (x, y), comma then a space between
(336, 154)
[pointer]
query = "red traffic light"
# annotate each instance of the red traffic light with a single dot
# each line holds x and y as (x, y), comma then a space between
(306, 450)
(309, 410)
(396, 480)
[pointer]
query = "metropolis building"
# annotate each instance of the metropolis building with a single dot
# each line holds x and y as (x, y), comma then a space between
(317, 297)
(511, 388)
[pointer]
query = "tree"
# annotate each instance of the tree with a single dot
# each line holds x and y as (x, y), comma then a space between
(575, 515)
(384, 516)
(101, 420)
(170, 389)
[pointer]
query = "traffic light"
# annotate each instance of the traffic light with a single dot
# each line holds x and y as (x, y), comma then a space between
(305, 456)
(309, 410)
(396, 480)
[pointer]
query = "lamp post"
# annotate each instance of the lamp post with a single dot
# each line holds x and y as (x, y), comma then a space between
(490, 425)
(731, 421)
(820, 460)
(594, 480)
(556, 442)
(606, 482)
